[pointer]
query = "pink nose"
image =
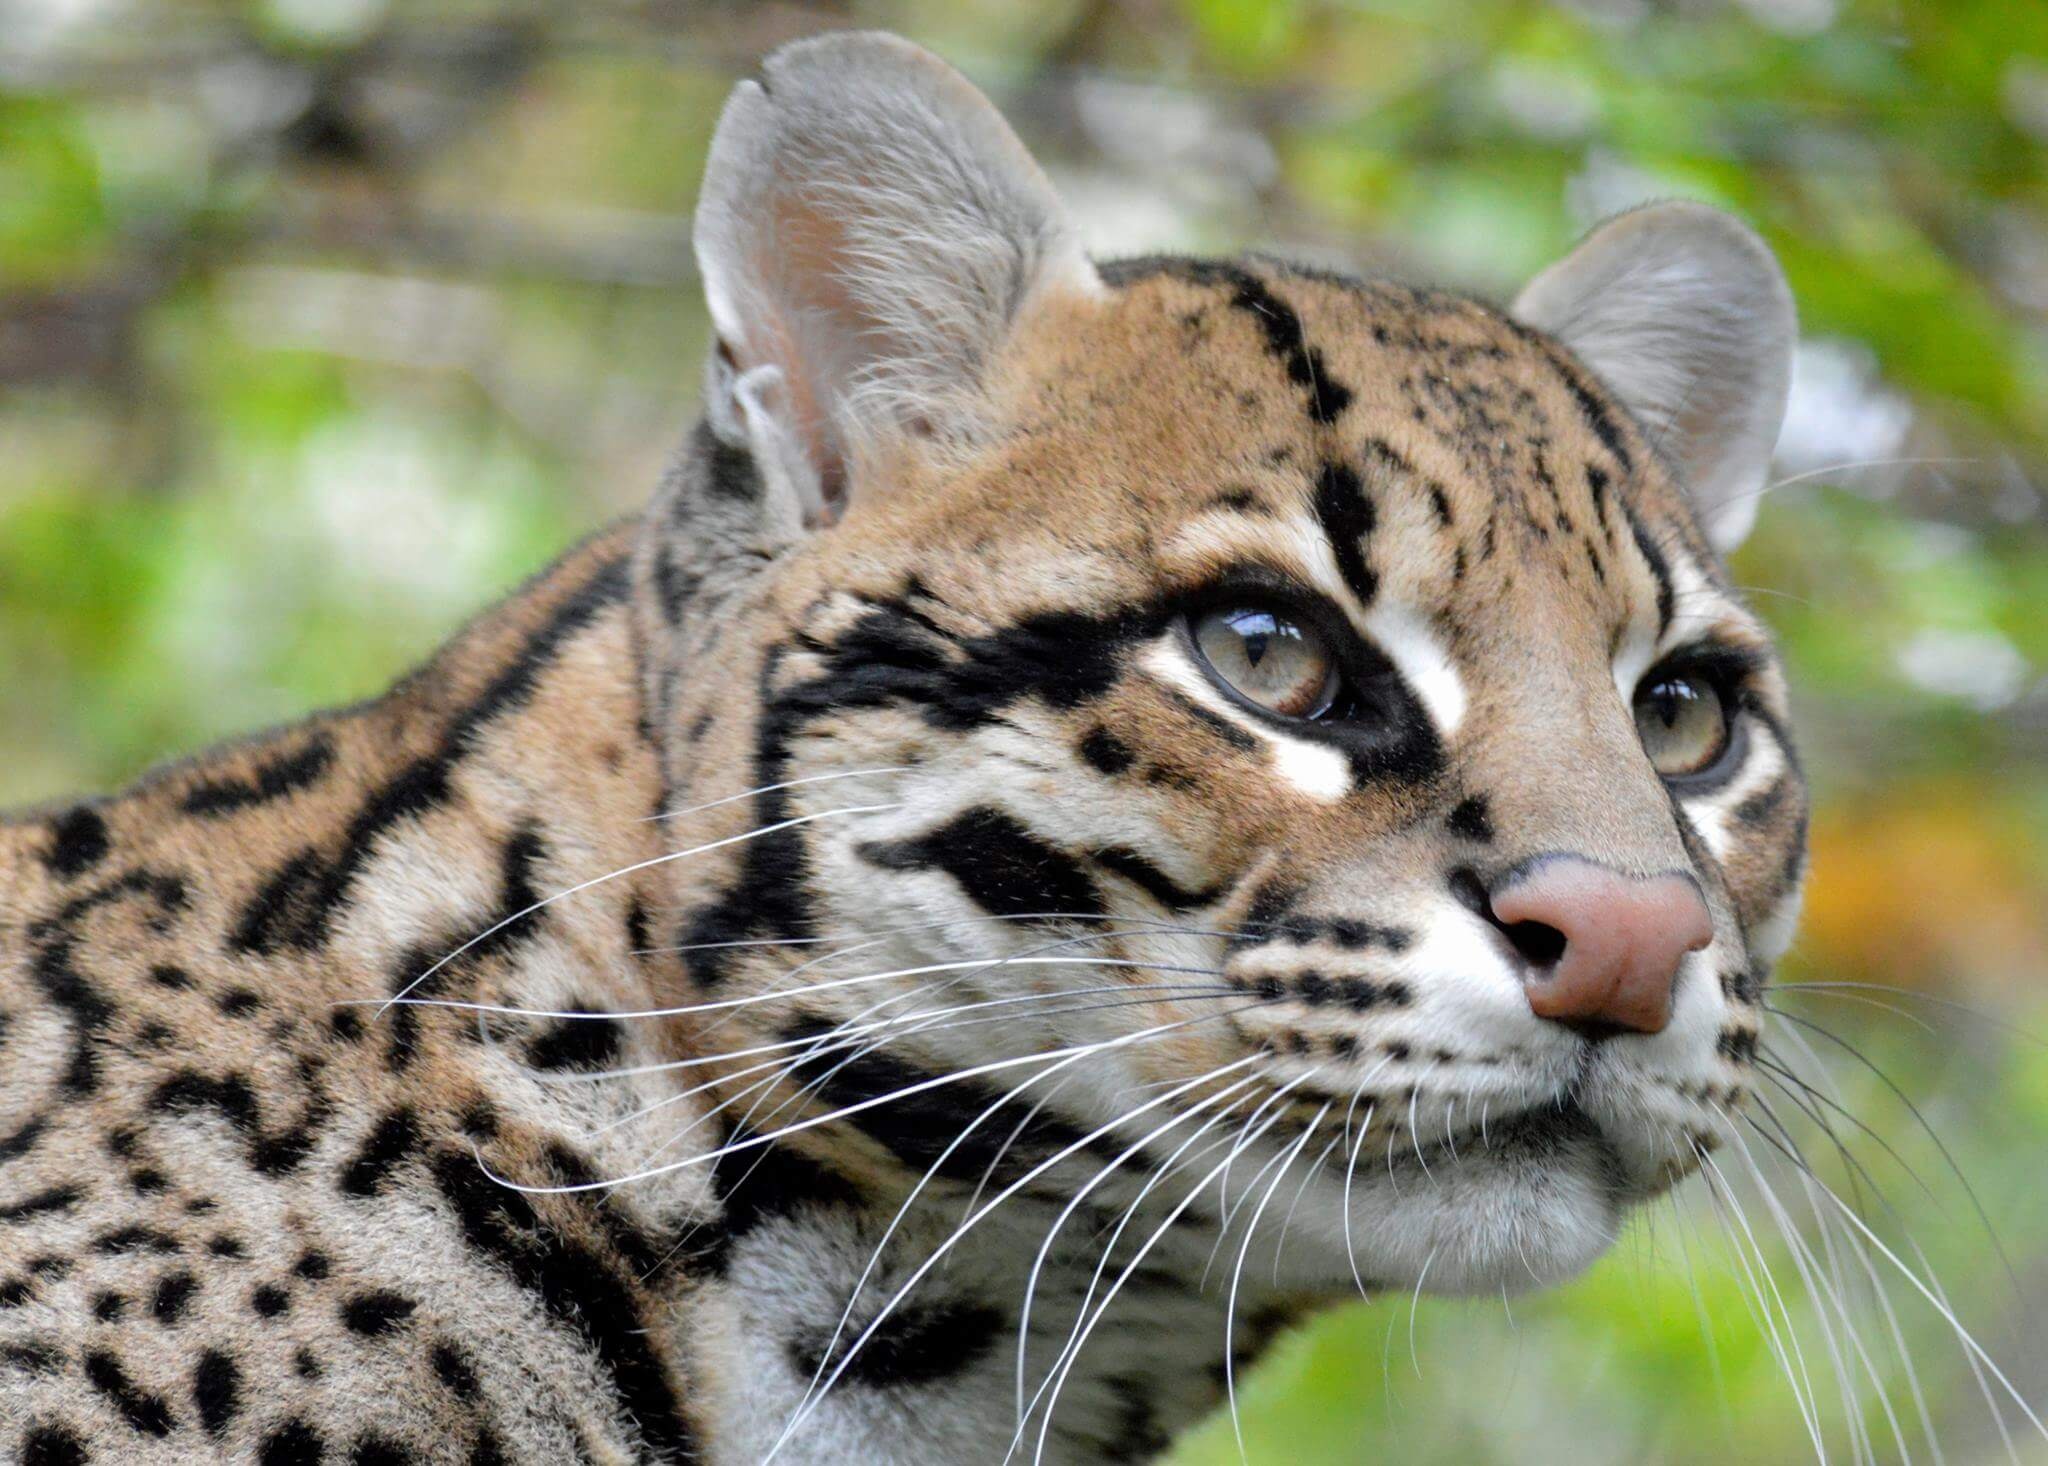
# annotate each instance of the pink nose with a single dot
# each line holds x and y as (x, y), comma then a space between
(1603, 947)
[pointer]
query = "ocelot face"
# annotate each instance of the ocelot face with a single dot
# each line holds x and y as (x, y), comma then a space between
(1298, 723)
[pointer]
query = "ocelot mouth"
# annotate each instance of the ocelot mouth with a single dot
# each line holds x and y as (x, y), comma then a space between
(1552, 1129)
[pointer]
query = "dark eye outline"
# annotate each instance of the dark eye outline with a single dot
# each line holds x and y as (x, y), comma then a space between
(1367, 692)
(1333, 681)
(1726, 671)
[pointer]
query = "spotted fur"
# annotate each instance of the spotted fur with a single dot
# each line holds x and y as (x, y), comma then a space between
(888, 821)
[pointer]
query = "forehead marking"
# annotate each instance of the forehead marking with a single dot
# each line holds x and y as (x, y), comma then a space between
(1347, 516)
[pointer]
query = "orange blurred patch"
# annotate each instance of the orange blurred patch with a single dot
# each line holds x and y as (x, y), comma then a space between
(1924, 886)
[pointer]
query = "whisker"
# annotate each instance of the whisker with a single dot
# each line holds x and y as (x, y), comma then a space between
(499, 926)
(676, 814)
(1086, 1324)
(1251, 1230)
(944, 1248)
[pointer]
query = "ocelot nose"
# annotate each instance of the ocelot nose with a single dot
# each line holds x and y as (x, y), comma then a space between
(1603, 948)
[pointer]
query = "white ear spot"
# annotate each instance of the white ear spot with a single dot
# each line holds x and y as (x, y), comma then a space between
(1683, 313)
(1423, 661)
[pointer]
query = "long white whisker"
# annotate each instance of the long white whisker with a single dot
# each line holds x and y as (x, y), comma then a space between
(499, 926)
(676, 814)
(1251, 1230)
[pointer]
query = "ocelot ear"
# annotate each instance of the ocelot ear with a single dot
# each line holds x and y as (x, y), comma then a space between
(870, 231)
(1683, 313)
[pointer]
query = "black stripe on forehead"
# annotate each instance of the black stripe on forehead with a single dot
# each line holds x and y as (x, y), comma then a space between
(1347, 517)
(1286, 338)
(1660, 568)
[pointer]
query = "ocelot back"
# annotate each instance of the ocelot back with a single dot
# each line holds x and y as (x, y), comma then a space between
(1084, 775)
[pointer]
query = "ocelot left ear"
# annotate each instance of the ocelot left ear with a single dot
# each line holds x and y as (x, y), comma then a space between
(1684, 314)
(870, 233)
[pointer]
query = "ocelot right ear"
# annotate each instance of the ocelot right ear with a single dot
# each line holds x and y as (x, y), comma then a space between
(870, 231)
(1683, 313)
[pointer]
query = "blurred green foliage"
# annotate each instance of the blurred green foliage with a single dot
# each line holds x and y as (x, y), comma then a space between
(322, 321)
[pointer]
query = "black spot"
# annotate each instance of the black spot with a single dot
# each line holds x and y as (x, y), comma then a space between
(1472, 819)
(372, 1449)
(144, 1412)
(579, 1290)
(1153, 881)
(16, 1291)
(78, 842)
(147, 1180)
(455, 1372)
(216, 1390)
(397, 1135)
(1277, 321)
(23, 1140)
(272, 779)
(1440, 504)
(40, 1203)
(52, 1445)
(346, 1024)
(1347, 517)
(313, 1266)
(1239, 501)
(376, 1313)
(1758, 808)
(33, 1356)
(283, 905)
(106, 1307)
(293, 1443)
(269, 1300)
(1737, 1045)
(1003, 867)
(173, 1294)
(306, 1364)
(577, 1043)
(1106, 751)
(49, 1265)
(237, 1001)
(166, 975)
(1215, 722)
(479, 1120)
(55, 941)
(768, 1181)
(136, 1239)
(272, 1153)
(915, 1345)
(226, 1246)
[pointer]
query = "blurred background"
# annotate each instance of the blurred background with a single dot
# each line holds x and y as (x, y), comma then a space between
(323, 321)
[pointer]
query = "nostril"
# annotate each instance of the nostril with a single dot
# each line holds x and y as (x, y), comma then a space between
(1539, 944)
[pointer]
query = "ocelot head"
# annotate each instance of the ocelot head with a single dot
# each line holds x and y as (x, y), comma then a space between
(1301, 723)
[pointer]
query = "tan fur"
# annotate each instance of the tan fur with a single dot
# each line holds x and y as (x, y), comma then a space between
(1122, 420)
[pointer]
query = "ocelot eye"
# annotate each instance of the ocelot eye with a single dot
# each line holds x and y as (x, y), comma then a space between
(1269, 658)
(1683, 722)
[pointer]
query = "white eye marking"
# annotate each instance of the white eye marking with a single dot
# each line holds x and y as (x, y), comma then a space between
(1315, 769)
(1635, 656)
(1423, 662)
